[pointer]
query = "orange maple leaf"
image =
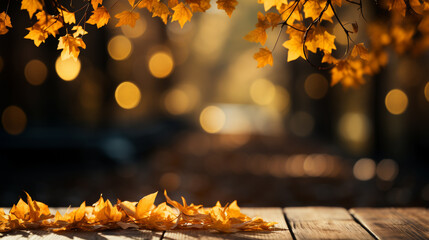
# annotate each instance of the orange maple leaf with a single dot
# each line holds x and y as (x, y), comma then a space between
(313, 8)
(359, 50)
(295, 48)
(182, 14)
(95, 3)
(31, 6)
(99, 17)
(257, 35)
(4, 23)
(37, 35)
(263, 57)
(320, 39)
(198, 5)
(227, 5)
(70, 46)
(161, 10)
(127, 18)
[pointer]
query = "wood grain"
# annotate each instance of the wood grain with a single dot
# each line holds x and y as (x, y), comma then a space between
(394, 223)
(268, 214)
(324, 223)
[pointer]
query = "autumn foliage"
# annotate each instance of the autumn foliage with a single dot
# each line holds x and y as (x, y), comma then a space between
(308, 25)
(143, 214)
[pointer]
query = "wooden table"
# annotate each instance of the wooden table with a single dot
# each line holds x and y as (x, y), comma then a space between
(293, 223)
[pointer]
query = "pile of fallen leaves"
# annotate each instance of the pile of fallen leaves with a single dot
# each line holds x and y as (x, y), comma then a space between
(140, 215)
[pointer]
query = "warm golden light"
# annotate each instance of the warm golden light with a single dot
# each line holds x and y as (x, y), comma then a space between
(119, 47)
(212, 119)
(14, 120)
(127, 95)
(161, 64)
(67, 69)
(396, 101)
(301, 124)
(354, 127)
(427, 91)
(316, 86)
(136, 31)
(281, 101)
(340, 35)
(262, 91)
(364, 169)
(177, 102)
(35, 72)
(387, 170)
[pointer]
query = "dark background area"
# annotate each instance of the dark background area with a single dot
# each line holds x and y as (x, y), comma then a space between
(305, 144)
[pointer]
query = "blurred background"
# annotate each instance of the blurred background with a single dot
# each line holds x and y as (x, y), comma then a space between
(158, 107)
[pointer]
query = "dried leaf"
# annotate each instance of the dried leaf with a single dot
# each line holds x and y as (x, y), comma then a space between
(227, 5)
(263, 57)
(127, 18)
(99, 17)
(182, 14)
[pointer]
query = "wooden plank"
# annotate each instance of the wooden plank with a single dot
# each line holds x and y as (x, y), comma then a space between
(268, 214)
(394, 223)
(104, 235)
(324, 223)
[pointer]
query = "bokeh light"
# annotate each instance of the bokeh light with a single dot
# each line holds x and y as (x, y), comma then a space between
(427, 91)
(262, 91)
(301, 124)
(35, 72)
(387, 170)
(177, 102)
(137, 31)
(161, 64)
(127, 95)
(14, 120)
(364, 169)
(316, 86)
(212, 119)
(396, 101)
(119, 47)
(67, 69)
(354, 127)
(170, 181)
(281, 101)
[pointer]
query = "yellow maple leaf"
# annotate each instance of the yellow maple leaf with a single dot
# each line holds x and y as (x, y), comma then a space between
(161, 10)
(182, 14)
(313, 9)
(95, 3)
(31, 6)
(349, 72)
(264, 57)
(68, 17)
(146, 4)
(172, 3)
(37, 35)
(328, 58)
(127, 18)
(79, 31)
(99, 17)
(227, 5)
(320, 39)
(272, 3)
(70, 46)
(4, 23)
(48, 23)
(290, 12)
(257, 35)
(295, 48)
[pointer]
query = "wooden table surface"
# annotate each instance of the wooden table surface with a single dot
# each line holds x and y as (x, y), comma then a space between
(293, 223)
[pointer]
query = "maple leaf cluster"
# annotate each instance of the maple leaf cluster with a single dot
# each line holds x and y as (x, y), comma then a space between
(306, 24)
(70, 44)
(143, 214)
